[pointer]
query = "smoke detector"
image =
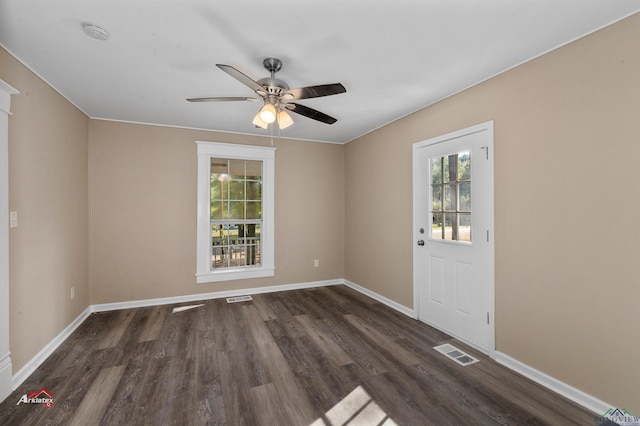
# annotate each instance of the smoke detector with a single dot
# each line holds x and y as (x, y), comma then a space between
(95, 31)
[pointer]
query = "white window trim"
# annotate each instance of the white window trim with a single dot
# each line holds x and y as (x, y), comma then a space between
(207, 150)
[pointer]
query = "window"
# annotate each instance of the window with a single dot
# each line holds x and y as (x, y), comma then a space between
(235, 212)
(451, 197)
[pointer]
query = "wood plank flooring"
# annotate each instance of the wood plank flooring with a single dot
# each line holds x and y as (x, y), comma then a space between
(325, 356)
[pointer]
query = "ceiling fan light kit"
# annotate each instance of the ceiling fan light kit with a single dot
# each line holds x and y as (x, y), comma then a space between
(277, 96)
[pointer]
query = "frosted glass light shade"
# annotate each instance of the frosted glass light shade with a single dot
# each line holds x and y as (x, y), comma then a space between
(284, 119)
(268, 113)
(257, 121)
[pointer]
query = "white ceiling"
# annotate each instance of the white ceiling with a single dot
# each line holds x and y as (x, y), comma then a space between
(393, 56)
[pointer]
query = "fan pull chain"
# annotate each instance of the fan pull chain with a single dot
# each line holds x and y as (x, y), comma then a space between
(279, 130)
(272, 135)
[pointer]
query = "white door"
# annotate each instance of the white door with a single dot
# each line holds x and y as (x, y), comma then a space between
(453, 231)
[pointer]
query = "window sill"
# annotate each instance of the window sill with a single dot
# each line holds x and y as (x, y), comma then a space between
(235, 274)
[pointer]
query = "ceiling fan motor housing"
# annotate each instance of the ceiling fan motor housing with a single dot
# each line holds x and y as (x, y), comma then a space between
(273, 86)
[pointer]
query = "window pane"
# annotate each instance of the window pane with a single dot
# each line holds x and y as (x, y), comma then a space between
(254, 190)
(219, 166)
(236, 190)
(436, 170)
(251, 244)
(464, 194)
(218, 246)
(450, 197)
(464, 227)
(254, 170)
(254, 210)
(235, 210)
(235, 245)
(216, 187)
(450, 226)
(436, 226)
(216, 209)
(445, 169)
(236, 169)
(464, 166)
(436, 198)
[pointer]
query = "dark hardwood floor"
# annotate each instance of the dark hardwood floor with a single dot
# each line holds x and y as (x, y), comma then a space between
(325, 356)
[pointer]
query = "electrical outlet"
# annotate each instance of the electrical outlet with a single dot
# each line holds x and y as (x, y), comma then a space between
(316, 263)
(73, 293)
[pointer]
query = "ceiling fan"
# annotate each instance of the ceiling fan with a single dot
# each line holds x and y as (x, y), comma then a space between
(277, 96)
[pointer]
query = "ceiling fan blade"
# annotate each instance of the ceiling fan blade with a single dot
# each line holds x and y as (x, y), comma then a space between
(310, 113)
(222, 99)
(316, 91)
(242, 78)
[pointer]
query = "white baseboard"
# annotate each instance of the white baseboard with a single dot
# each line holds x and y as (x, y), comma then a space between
(576, 395)
(206, 296)
(248, 291)
(35, 362)
(390, 303)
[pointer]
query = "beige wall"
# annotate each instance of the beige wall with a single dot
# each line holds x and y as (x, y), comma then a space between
(567, 197)
(48, 188)
(143, 211)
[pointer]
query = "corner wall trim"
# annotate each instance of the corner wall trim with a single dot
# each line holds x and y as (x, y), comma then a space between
(41, 356)
(579, 397)
(390, 303)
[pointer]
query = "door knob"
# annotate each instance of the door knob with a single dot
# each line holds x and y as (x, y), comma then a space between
(420, 242)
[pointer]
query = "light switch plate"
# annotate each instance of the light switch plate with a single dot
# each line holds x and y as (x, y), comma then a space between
(13, 219)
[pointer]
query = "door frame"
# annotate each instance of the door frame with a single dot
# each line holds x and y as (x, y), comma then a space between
(5, 354)
(482, 127)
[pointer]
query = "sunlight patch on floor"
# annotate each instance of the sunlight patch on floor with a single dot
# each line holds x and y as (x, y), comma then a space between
(357, 408)
(185, 308)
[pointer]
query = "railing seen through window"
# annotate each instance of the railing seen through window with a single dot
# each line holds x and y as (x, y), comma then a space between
(235, 213)
(451, 197)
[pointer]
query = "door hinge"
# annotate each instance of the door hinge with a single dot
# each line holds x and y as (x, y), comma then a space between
(487, 235)
(487, 318)
(486, 151)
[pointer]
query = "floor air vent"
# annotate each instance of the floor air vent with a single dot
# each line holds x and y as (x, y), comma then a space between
(456, 354)
(237, 299)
